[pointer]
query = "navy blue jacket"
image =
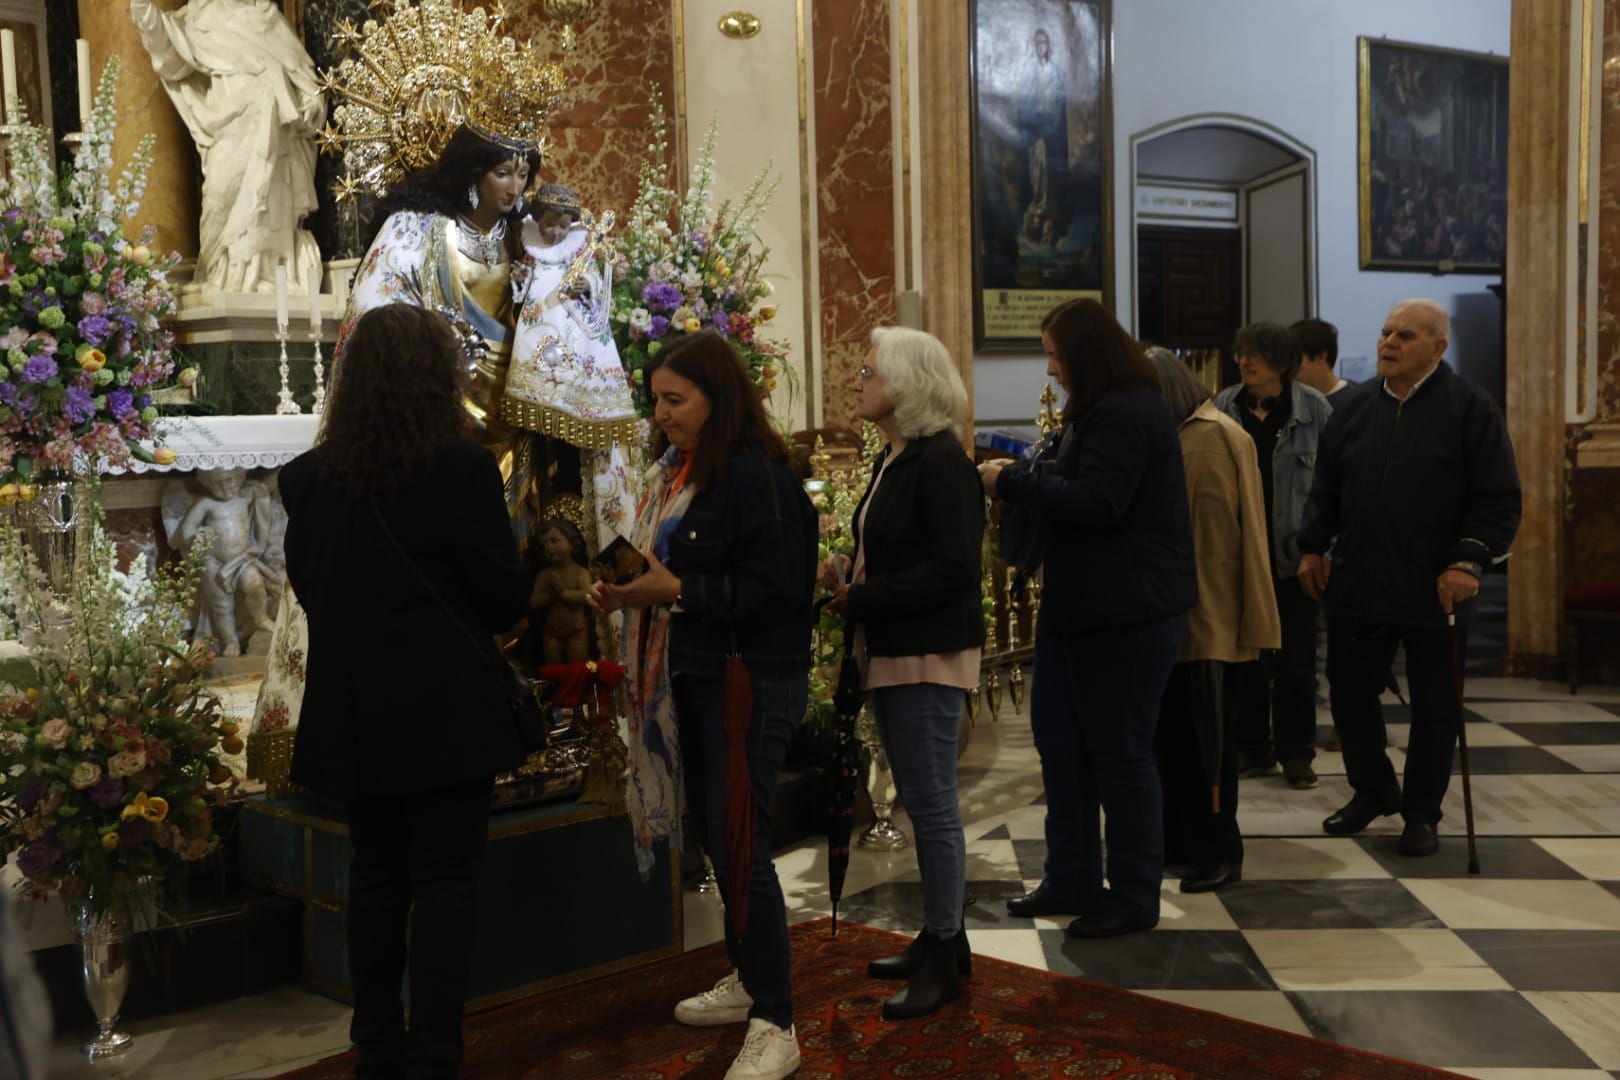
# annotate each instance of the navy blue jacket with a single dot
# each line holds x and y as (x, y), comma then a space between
(1116, 534)
(746, 556)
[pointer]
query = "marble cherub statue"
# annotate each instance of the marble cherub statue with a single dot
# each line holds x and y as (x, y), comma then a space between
(246, 88)
(244, 566)
(558, 606)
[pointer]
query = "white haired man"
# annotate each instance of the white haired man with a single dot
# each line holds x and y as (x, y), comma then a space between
(1416, 491)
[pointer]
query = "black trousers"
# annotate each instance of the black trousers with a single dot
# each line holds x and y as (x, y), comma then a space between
(413, 904)
(1359, 656)
(1276, 713)
(1195, 832)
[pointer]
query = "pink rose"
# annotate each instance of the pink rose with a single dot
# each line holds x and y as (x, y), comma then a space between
(92, 303)
(56, 732)
(85, 773)
(126, 763)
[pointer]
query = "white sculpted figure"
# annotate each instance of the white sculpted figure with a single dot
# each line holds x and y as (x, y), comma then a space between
(247, 90)
(242, 573)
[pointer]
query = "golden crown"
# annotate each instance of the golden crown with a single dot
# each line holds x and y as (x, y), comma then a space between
(428, 68)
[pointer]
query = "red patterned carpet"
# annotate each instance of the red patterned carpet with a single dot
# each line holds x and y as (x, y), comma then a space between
(1012, 1021)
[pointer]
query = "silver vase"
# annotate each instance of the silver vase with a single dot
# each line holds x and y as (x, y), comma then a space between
(881, 835)
(709, 882)
(104, 942)
(55, 524)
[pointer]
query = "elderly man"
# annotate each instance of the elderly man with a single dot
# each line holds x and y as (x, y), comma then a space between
(1416, 491)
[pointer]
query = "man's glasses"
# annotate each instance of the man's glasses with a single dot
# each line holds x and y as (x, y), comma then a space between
(866, 374)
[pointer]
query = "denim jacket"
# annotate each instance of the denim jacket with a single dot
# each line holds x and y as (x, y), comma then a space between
(1293, 465)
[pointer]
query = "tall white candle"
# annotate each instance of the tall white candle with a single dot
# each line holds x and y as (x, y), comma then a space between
(281, 295)
(8, 62)
(315, 300)
(84, 83)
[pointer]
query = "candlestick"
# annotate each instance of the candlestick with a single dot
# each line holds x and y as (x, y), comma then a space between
(285, 405)
(315, 302)
(84, 84)
(8, 61)
(281, 296)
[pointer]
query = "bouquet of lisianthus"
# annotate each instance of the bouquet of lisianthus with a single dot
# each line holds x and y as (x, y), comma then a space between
(110, 742)
(684, 265)
(81, 306)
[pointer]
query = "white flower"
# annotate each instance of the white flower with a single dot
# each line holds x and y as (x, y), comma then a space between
(640, 319)
(84, 774)
(126, 763)
(691, 279)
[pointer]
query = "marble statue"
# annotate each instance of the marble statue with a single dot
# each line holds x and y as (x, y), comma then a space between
(245, 565)
(247, 91)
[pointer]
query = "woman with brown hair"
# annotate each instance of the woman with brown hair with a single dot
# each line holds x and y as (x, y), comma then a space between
(1117, 560)
(730, 541)
(396, 519)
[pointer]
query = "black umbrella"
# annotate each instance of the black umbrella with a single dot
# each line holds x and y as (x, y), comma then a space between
(1207, 700)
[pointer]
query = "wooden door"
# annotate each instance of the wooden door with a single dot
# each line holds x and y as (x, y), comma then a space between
(1189, 290)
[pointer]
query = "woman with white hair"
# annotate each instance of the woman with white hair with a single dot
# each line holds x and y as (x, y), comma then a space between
(913, 605)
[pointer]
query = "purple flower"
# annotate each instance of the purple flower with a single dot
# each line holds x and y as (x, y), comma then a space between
(661, 295)
(28, 797)
(78, 407)
(700, 241)
(143, 401)
(658, 327)
(121, 402)
(8, 393)
(107, 793)
(36, 858)
(38, 369)
(95, 329)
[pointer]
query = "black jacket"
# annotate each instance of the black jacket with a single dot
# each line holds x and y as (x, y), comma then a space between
(923, 538)
(1116, 534)
(746, 556)
(398, 698)
(1404, 489)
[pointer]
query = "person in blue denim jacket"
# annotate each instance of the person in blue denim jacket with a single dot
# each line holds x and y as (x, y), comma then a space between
(1276, 719)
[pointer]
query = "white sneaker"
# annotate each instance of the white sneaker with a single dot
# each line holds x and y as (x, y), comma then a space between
(769, 1053)
(727, 1003)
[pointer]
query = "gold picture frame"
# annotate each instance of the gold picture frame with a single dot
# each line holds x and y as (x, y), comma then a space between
(1432, 158)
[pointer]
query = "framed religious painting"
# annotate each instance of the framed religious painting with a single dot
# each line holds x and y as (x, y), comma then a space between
(1040, 142)
(1433, 157)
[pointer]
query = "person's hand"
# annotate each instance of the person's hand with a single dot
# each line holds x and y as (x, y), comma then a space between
(600, 599)
(832, 570)
(1313, 575)
(988, 474)
(839, 604)
(656, 586)
(1456, 587)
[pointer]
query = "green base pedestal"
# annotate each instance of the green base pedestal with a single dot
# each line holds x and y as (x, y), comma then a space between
(559, 899)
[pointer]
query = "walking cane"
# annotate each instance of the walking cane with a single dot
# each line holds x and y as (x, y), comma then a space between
(1462, 741)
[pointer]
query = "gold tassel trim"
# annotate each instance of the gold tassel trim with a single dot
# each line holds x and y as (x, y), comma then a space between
(556, 424)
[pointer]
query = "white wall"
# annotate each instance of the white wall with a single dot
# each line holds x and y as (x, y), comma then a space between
(1276, 250)
(1292, 64)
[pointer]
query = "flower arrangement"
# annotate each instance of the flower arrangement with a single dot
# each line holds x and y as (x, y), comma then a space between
(111, 743)
(84, 348)
(835, 495)
(684, 265)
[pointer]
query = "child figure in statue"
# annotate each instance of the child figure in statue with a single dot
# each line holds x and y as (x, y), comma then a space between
(557, 606)
(237, 578)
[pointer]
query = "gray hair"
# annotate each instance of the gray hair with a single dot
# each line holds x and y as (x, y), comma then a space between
(921, 382)
(1177, 383)
(1440, 318)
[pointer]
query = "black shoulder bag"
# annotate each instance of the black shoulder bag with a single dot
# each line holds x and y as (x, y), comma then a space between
(532, 728)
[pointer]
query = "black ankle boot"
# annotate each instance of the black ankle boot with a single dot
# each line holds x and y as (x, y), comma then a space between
(933, 982)
(903, 964)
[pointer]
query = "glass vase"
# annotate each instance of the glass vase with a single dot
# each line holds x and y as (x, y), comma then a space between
(881, 835)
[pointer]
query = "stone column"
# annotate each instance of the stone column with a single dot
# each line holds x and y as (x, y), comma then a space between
(1538, 284)
(171, 200)
(944, 56)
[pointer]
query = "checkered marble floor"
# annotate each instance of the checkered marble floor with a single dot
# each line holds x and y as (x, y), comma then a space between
(1515, 973)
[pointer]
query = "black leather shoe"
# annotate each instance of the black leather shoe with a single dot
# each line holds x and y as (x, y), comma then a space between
(1043, 901)
(1210, 878)
(1419, 838)
(1360, 812)
(901, 966)
(933, 981)
(1108, 924)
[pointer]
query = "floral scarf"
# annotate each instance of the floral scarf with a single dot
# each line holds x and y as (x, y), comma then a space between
(656, 795)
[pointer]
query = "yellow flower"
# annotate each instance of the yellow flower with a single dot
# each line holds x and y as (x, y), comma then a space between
(109, 841)
(767, 313)
(693, 324)
(151, 808)
(721, 268)
(32, 693)
(139, 254)
(163, 456)
(15, 493)
(91, 359)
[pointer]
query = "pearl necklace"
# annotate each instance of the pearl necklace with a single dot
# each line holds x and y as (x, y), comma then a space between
(486, 246)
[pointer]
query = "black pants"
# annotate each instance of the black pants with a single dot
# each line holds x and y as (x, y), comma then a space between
(413, 903)
(1359, 656)
(1195, 832)
(1276, 714)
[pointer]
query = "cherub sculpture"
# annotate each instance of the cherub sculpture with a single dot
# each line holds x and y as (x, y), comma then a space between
(244, 526)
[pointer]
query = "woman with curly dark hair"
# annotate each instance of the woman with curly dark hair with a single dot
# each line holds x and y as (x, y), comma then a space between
(396, 520)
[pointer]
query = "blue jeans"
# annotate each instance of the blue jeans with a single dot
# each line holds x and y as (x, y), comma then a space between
(761, 955)
(1094, 707)
(919, 724)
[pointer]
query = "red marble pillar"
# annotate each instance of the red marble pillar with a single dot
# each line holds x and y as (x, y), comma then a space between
(854, 188)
